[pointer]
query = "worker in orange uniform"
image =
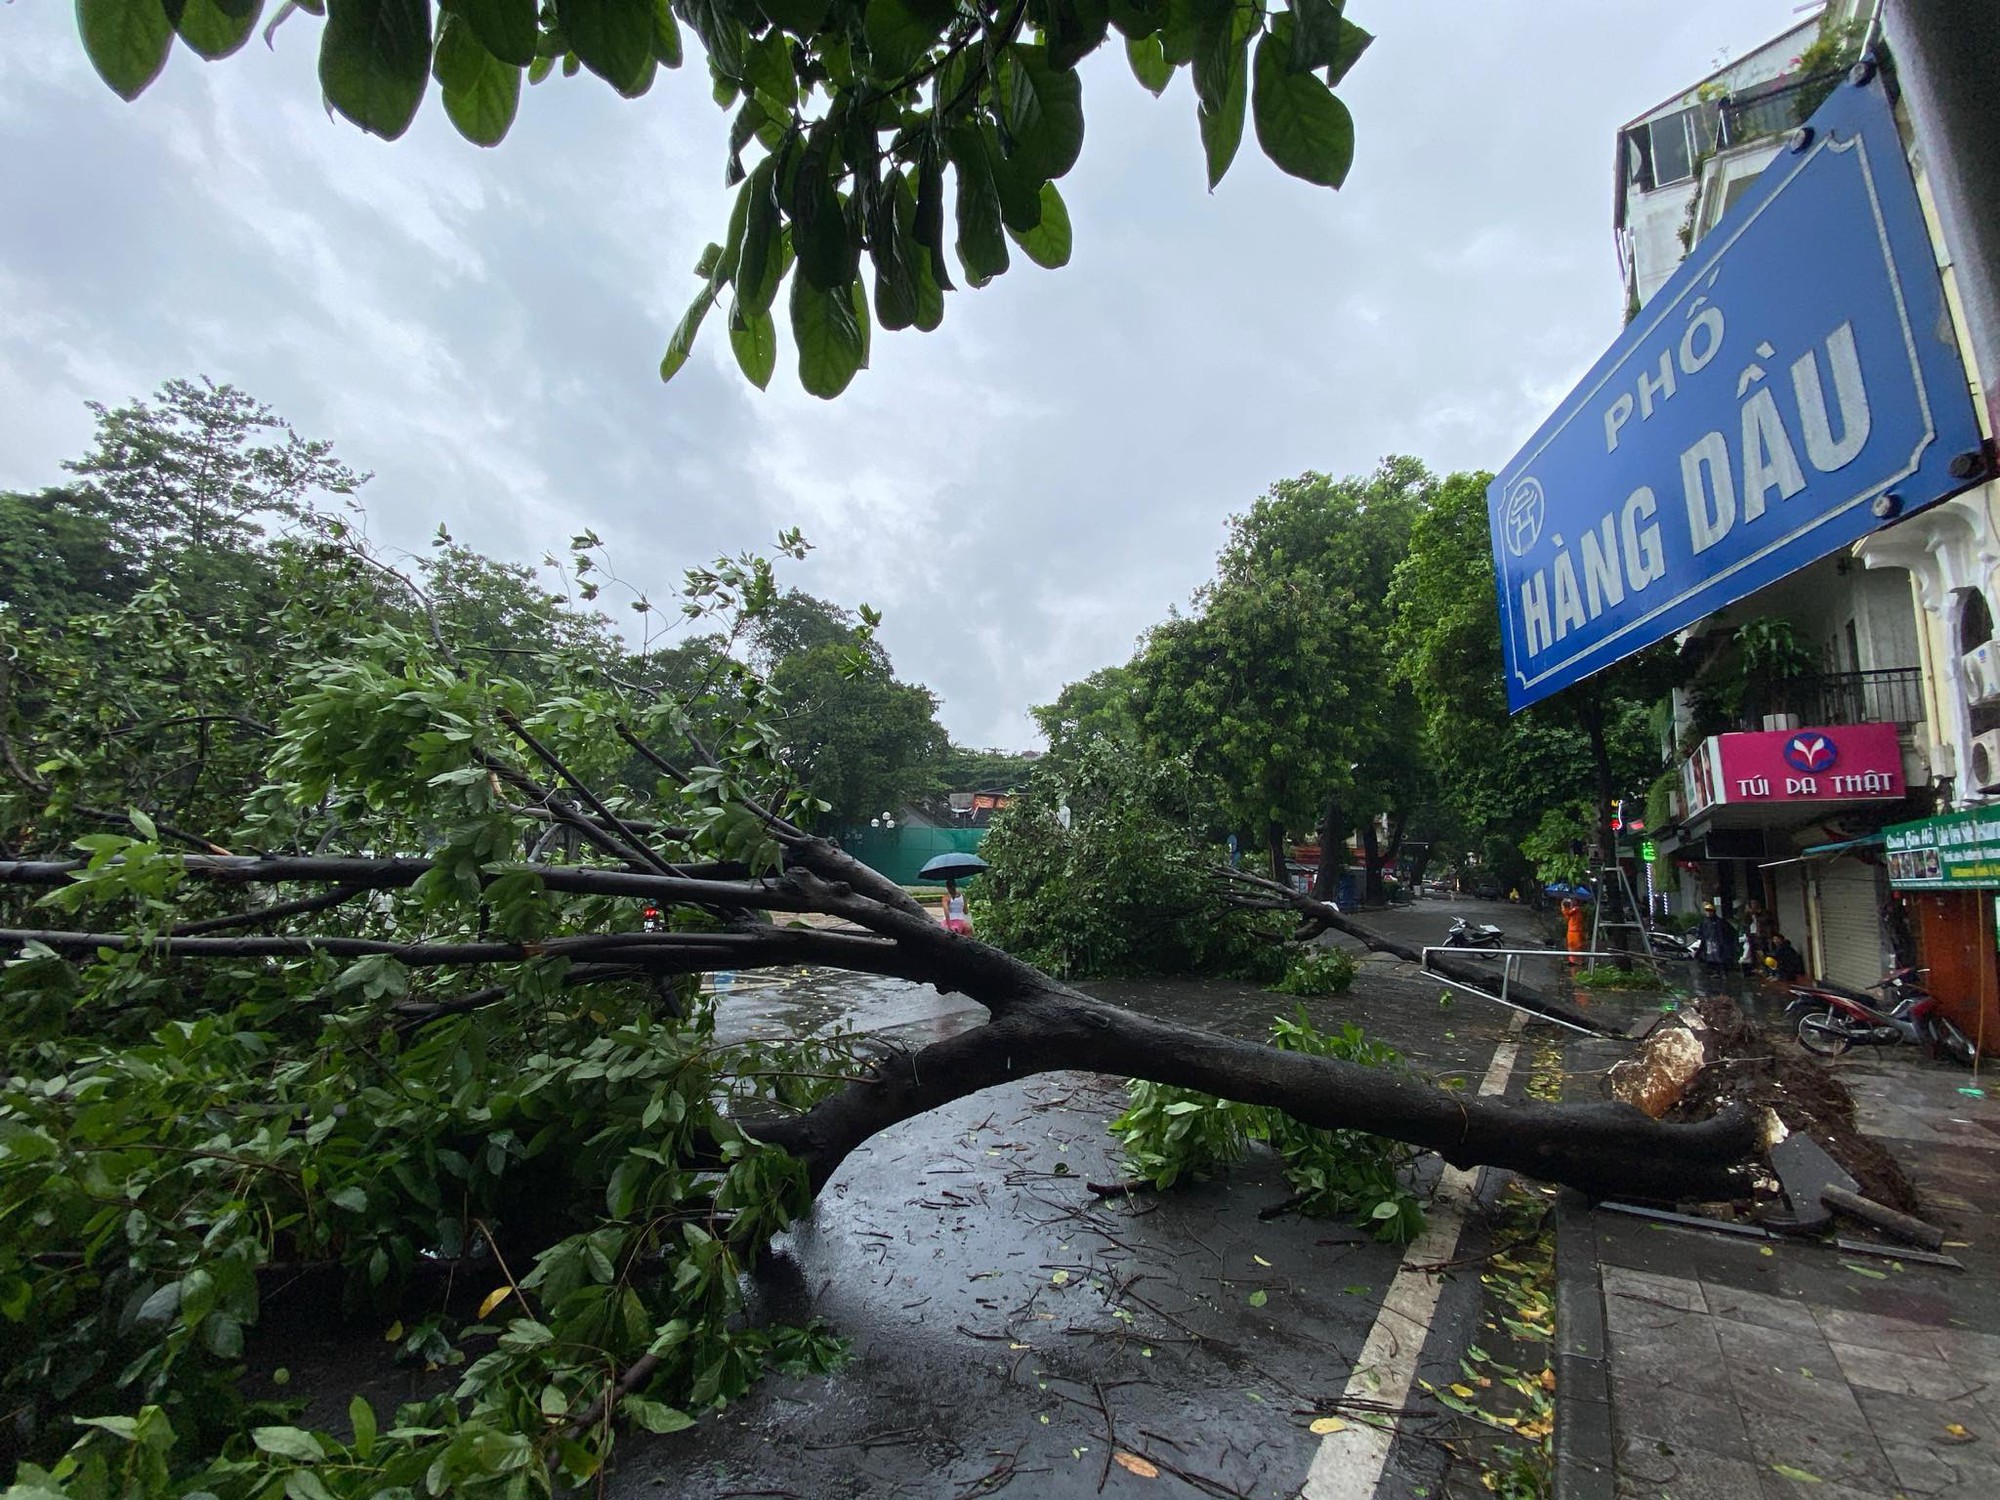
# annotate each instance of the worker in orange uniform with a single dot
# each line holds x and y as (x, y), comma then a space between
(1572, 910)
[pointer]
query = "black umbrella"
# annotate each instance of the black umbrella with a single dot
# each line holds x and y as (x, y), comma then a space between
(951, 867)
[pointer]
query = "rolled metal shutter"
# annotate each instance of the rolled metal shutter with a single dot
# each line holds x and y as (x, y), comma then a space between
(1790, 884)
(1850, 922)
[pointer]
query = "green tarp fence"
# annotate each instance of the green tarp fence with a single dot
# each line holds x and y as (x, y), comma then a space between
(900, 852)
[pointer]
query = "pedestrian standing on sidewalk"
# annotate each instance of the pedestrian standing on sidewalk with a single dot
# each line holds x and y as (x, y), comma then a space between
(1757, 929)
(1717, 940)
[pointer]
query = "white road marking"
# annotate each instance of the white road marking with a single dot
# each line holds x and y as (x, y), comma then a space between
(1349, 1463)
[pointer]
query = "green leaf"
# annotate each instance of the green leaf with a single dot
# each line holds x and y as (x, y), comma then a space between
(722, 35)
(827, 254)
(666, 35)
(654, 1416)
(925, 301)
(303, 1484)
(1798, 1475)
(929, 227)
(1220, 27)
(900, 34)
(1222, 130)
(829, 338)
(1302, 127)
(1043, 109)
(1149, 64)
(1138, 18)
(214, 29)
(1048, 243)
(223, 1336)
(1020, 193)
(1259, 1297)
(894, 253)
(505, 28)
(1074, 29)
(374, 61)
(754, 337)
(1353, 42)
(800, 17)
(148, 830)
(1315, 34)
(481, 92)
(681, 345)
(127, 41)
(761, 265)
(288, 1442)
(161, 1305)
(615, 39)
(982, 244)
(361, 1417)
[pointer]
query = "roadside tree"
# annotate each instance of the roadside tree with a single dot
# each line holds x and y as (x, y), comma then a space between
(1278, 685)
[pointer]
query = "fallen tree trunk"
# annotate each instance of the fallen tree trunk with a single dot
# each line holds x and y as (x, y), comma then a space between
(1599, 1148)
(1037, 1023)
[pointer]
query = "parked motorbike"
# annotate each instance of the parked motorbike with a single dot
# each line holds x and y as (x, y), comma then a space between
(1833, 1018)
(1464, 934)
(1675, 944)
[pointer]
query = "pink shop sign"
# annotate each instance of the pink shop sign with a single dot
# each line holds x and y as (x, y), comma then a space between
(1851, 763)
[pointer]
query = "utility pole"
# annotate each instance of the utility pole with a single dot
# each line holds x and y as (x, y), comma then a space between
(1947, 56)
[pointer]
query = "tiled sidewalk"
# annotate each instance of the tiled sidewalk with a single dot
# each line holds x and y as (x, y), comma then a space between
(1738, 1368)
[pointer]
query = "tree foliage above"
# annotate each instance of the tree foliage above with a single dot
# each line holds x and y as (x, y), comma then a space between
(847, 118)
(1278, 685)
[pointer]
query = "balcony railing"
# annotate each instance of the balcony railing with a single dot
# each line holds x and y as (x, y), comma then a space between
(1773, 109)
(1894, 695)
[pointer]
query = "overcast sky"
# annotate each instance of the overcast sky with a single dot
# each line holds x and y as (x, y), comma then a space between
(1023, 492)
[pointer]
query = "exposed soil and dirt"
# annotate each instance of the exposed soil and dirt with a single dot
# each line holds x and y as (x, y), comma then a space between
(1750, 1068)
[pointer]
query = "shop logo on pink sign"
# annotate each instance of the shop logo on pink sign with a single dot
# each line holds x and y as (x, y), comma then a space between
(1810, 753)
(1855, 761)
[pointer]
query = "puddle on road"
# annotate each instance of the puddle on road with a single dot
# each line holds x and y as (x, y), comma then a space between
(811, 1003)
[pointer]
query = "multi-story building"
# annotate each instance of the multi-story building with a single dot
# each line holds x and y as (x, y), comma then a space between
(1886, 648)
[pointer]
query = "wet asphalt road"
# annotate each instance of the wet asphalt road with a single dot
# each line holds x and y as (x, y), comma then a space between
(1009, 1327)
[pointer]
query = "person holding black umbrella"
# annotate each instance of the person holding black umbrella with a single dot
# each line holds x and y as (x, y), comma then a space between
(954, 910)
(951, 868)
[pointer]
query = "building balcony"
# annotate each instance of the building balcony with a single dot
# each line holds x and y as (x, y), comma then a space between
(1893, 695)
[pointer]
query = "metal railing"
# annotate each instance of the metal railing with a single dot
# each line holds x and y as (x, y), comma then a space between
(1773, 109)
(1893, 695)
(1510, 971)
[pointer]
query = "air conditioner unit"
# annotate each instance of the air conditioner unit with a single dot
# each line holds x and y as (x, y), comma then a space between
(1986, 760)
(1982, 672)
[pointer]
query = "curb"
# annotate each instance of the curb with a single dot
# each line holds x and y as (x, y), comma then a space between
(1584, 1450)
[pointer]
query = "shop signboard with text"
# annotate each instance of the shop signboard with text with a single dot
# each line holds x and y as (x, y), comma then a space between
(1954, 851)
(1850, 763)
(1794, 386)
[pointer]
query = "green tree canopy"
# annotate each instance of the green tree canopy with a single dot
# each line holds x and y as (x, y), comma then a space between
(1277, 685)
(848, 116)
(1503, 774)
(61, 553)
(199, 474)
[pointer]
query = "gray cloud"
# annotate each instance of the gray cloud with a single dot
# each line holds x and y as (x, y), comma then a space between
(1024, 491)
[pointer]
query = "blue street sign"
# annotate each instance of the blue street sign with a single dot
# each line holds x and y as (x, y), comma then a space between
(1794, 386)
